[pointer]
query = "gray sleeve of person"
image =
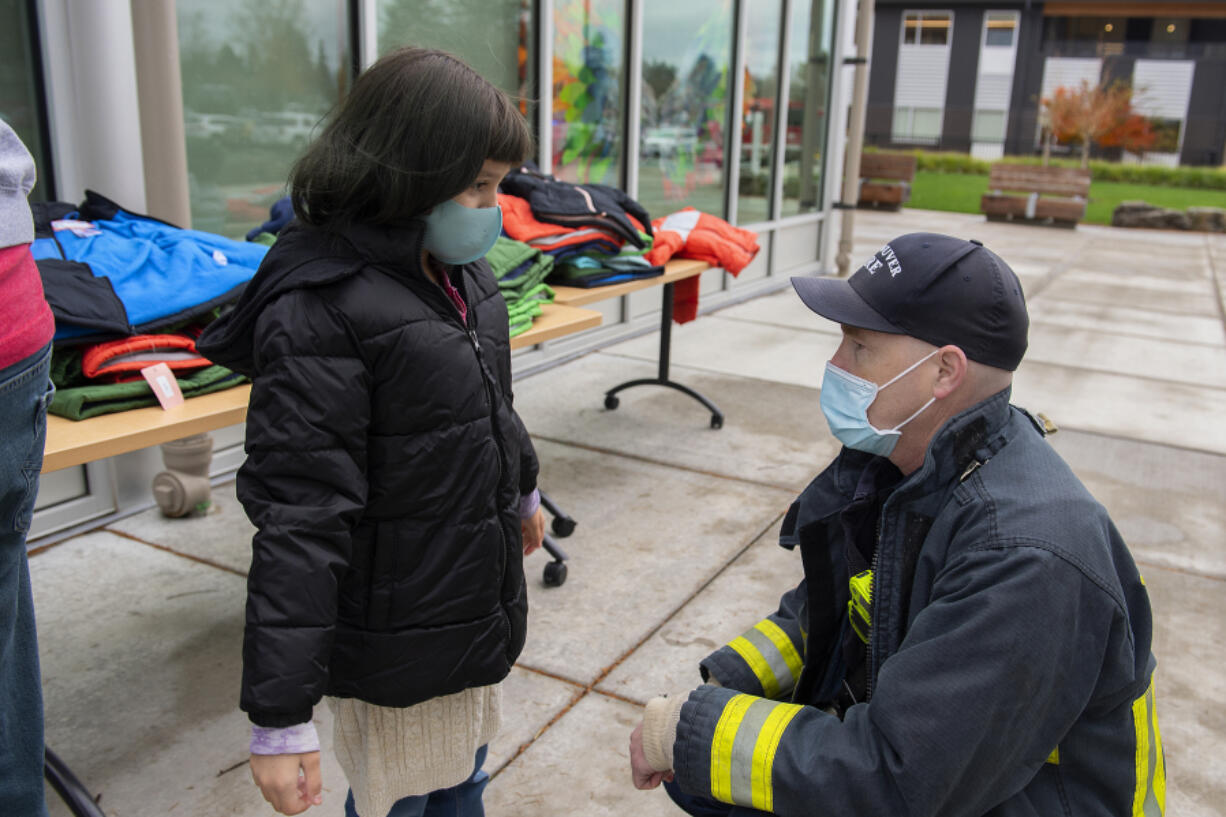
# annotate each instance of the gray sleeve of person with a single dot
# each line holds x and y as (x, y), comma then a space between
(767, 658)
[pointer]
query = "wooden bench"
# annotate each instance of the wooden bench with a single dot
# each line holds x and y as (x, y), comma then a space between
(885, 179)
(1050, 195)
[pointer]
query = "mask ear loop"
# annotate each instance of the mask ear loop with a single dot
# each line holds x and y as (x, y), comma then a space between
(921, 408)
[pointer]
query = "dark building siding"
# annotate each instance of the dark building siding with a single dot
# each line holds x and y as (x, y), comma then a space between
(1027, 84)
(1205, 128)
(883, 68)
(960, 84)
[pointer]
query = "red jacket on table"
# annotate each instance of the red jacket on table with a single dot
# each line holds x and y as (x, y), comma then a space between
(689, 233)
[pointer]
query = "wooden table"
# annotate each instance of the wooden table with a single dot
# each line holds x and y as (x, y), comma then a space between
(674, 271)
(76, 442)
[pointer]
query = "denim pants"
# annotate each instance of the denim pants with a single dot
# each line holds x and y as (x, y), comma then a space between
(463, 800)
(25, 393)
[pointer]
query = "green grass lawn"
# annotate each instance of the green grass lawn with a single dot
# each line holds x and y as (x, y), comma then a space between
(960, 193)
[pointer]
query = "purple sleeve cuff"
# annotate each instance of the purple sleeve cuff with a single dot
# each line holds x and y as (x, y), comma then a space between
(528, 504)
(289, 740)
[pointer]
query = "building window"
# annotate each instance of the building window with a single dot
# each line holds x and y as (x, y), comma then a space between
(988, 126)
(927, 28)
(258, 79)
(20, 100)
(684, 110)
(812, 39)
(493, 36)
(588, 44)
(921, 126)
(1000, 28)
(758, 120)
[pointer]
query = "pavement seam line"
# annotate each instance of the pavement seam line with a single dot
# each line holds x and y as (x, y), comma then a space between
(591, 687)
(596, 449)
(188, 556)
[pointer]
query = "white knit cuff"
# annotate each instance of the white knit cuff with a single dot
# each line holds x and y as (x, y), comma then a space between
(660, 721)
(288, 740)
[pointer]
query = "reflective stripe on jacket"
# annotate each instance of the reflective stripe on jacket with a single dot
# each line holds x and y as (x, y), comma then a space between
(1009, 670)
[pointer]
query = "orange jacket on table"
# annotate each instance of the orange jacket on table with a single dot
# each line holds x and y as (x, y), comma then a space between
(690, 233)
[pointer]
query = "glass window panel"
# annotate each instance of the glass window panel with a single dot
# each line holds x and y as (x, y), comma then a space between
(902, 124)
(257, 79)
(1000, 29)
(20, 102)
(493, 36)
(927, 124)
(812, 27)
(762, 42)
(934, 29)
(989, 126)
(685, 106)
(910, 29)
(587, 90)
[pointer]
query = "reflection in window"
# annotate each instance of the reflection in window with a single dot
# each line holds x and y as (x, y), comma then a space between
(1000, 28)
(20, 103)
(257, 79)
(812, 28)
(927, 28)
(762, 42)
(685, 104)
(493, 36)
(587, 90)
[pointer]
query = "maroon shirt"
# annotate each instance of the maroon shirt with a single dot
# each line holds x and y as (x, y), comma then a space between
(26, 323)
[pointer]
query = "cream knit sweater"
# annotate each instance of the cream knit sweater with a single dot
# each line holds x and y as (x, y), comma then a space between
(389, 753)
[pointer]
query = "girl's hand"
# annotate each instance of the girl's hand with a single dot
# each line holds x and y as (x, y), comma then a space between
(291, 783)
(533, 530)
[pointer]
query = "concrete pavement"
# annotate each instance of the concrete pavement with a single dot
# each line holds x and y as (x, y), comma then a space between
(140, 623)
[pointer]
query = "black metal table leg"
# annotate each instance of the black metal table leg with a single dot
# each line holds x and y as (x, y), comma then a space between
(662, 379)
(563, 525)
(71, 790)
(555, 571)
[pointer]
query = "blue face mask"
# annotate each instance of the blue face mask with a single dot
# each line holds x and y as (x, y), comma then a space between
(456, 234)
(845, 402)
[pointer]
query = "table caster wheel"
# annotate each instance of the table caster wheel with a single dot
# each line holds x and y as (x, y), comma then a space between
(717, 421)
(563, 526)
(555, 574)
(611, 402)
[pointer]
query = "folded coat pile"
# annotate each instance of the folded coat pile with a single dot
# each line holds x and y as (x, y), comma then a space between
(521, 271)
(129, 291)
(595, 234)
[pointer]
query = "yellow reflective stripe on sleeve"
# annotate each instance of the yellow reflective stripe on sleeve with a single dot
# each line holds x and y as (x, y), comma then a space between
(1149, 799)
(764, 755)
(743, 647)
(1054, 757)
(722, 742)
(743, 749)
(782, 643)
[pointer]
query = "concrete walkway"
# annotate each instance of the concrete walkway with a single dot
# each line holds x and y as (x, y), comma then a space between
(141, 623)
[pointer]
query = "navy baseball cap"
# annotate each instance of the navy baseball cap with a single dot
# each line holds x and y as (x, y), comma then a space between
(940, 289)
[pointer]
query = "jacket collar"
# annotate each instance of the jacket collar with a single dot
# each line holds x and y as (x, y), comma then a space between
(395, 248)
(966, 441)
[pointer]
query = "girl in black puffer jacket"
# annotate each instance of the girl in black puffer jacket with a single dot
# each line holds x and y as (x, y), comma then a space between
(392, 485)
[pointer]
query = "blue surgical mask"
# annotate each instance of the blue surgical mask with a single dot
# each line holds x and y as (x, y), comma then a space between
(845, 402)
(456, 234)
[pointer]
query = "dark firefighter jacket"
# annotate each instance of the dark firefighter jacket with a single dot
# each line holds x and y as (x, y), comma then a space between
(1008, 660)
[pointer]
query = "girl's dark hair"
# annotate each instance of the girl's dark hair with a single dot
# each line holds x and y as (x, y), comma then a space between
(413, 132)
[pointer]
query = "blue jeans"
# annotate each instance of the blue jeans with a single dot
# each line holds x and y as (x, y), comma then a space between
(463, 800)
(25, 393)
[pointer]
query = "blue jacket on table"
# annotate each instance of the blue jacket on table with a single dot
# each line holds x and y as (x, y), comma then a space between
(1009, 664)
